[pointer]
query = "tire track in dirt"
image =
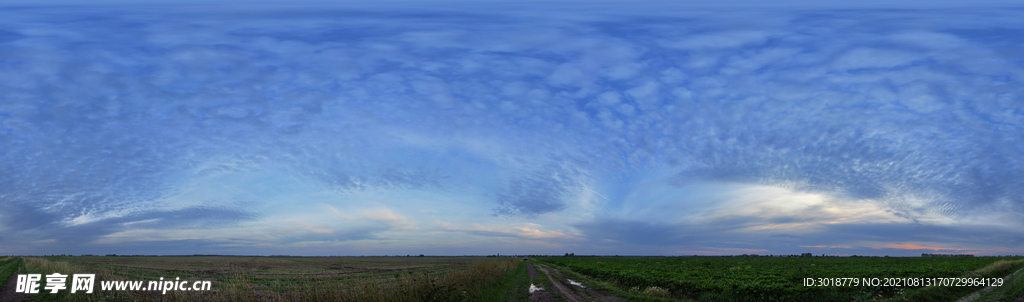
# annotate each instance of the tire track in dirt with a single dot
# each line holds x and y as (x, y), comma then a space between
(539, 295)
(572, 293)
(7, 293)
(560, 288)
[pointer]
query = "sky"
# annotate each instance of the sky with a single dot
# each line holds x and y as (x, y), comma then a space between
(345, 128)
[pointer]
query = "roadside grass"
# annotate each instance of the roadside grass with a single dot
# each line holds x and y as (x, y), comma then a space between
(492, 280)
(1016, 289)
(1011, 290)
(510, 287)
(997, 269)
(8, 267)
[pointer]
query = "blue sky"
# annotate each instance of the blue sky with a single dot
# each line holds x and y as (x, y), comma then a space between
(352, 129)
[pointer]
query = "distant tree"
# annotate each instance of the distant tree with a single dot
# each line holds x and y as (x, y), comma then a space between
(421, 255)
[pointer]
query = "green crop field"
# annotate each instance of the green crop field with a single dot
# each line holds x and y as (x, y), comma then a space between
(782, 278)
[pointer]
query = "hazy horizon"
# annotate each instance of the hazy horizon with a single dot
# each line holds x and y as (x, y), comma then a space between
(345, 128)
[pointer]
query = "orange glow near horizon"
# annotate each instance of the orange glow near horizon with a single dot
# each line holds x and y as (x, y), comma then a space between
(915, 247)
(826, 246)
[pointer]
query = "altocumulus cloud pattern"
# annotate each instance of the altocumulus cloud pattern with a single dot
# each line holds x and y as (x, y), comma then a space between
(326, 130)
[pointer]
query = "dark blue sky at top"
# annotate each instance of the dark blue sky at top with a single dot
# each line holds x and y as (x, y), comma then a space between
(348, 129)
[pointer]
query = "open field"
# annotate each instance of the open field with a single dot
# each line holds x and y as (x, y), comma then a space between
(782, 279)
(298, 278)
(275, 274)
(509, 279)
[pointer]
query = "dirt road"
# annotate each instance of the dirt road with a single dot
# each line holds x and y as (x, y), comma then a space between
(538, 294)
(978, 293)
(7, 294)
(561, 286)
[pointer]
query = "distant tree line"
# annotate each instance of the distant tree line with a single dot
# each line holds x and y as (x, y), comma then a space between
(946, 255)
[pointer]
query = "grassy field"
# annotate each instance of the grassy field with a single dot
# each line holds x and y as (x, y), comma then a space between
(782, 279)
(299, 278)
(505, 279)
(275, 274)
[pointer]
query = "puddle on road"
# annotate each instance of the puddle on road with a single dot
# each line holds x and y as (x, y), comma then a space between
(576, 283)
(534, 288)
